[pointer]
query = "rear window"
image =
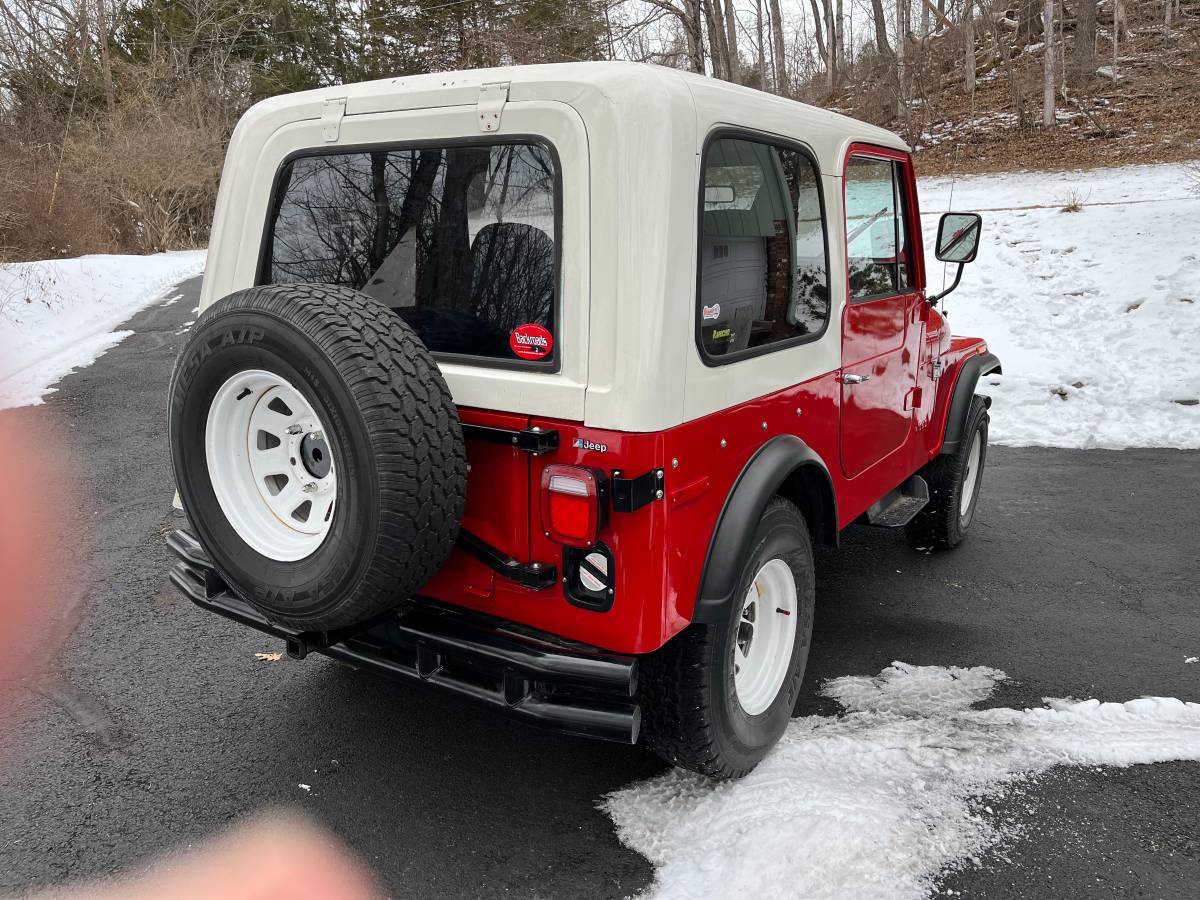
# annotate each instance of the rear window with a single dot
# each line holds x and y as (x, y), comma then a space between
(460, 241)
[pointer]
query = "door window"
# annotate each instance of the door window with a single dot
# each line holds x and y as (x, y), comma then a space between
(460, 241)
(877, 250)
(763, 267)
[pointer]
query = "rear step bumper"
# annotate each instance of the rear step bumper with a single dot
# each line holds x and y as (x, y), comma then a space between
(570, 688)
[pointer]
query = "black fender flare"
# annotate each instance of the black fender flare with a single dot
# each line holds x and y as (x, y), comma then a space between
(783, 465)
(969, 374)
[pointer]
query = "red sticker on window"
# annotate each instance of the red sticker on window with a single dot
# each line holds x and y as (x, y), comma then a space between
(531, 341)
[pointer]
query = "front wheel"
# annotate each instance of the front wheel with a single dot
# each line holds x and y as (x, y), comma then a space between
(954, 480)
(717, 697)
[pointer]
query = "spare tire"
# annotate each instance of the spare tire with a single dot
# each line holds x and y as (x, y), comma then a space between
(317, 452)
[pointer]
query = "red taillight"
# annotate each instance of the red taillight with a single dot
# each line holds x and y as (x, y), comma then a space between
(572, 508)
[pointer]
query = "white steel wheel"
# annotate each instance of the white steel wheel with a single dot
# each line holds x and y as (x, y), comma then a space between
(766, 634)
(271, 465)
(971, 475)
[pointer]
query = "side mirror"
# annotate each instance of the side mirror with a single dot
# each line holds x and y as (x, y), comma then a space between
(958, 237)
(957, 242)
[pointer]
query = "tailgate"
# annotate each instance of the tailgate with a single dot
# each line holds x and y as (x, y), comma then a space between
(497, 511)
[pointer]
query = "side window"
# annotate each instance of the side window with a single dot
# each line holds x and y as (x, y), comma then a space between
(876, 228)
(458, 240)
(763, 268)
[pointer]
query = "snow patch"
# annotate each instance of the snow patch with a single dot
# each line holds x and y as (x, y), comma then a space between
(1095, 314)
(58, 315)
(876, 802)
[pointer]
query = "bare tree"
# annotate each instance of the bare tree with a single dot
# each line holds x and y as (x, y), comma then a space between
(968, 47)
(731, 45)
(781, 79)
(1048, 88)
(880, 18)
(687, 13)
(105, 59)
(831, 44)
(762, 50)
(819, 31)
(840, 44)
(1120, 23)
(1083, 54)
(716, 38)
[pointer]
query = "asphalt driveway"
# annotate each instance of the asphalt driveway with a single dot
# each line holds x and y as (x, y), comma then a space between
(155, 725)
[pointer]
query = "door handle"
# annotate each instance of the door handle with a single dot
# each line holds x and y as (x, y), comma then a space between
(850, 378)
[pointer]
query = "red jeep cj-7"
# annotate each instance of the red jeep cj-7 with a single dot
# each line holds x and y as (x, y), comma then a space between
(540, 384)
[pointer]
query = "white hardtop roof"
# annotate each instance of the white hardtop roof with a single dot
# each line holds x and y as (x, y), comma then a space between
(620, 83)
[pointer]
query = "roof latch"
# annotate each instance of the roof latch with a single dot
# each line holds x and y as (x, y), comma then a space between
(331, 118)
(492, 98)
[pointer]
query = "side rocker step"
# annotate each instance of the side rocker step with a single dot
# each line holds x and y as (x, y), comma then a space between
(898, 507)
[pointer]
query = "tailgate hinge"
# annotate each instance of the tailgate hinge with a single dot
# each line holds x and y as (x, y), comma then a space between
(492, 98)
(531, 440)
(631, 494)
(331, 118)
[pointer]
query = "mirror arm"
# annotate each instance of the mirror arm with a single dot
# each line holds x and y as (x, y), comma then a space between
(957, 278)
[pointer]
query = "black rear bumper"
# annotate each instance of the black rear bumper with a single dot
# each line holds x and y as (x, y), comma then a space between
(534, 676)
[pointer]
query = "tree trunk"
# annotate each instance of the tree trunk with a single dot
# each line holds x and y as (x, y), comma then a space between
(969, 48)
(1120, 23)
(1048, 92)
(105, 60)
(881, 40)
(716, 40)
(819, 31)
(1014, 83)
(831, 47)
(839, 33)
(731, 42)
(693, 32)
(762, 50)
(781, 80)
(901, 62)
(1083, 55)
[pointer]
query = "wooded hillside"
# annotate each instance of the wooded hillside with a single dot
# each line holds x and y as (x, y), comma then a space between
(115, 113)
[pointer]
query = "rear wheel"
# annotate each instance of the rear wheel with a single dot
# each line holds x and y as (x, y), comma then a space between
(954, 480)
(717, 697)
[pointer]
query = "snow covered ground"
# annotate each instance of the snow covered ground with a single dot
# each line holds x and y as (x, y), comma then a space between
(886, 795)
(59, 315)
(1095, 315)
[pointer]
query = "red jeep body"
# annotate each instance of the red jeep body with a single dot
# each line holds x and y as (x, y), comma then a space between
(865, 441)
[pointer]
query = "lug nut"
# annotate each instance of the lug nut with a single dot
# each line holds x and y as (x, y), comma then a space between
(294, 429)
(310, 487)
